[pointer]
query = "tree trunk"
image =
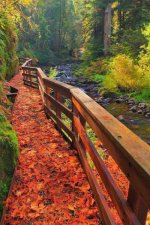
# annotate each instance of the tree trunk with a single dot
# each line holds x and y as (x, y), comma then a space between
(107, 29)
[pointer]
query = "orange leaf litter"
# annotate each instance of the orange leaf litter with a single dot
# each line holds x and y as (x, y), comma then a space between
(50, 186)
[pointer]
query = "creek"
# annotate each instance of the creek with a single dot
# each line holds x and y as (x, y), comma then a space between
(136, 122)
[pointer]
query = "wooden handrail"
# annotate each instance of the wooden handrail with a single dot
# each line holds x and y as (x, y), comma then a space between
(131, 154)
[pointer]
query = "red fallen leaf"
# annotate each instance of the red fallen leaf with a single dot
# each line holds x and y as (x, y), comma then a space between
(35, 206)
(18, 193)
(34, 215)
(19, 213)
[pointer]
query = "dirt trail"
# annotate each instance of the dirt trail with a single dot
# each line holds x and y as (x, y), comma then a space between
(50, 186)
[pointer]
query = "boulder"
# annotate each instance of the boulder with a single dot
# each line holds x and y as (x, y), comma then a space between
(133, 108)
(140, 111)
(142, 105)
(131, 102)
(147, 115)
(119, 100)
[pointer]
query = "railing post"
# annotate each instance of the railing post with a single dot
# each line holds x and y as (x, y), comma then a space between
(58, 98)
(75, 113)
(138, 205)
(82, 120)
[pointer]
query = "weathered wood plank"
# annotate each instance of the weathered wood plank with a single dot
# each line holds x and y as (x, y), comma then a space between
(126, 214)
(41, 84)
(64, 89)
(30, 68)
(59, 106)
(133, 157)
(28, 62)
(30, 83)
(42, 94)
(100, 200)
(137, 204)
(60, 124)
(29, 75)
(41, 74)
(58, 98)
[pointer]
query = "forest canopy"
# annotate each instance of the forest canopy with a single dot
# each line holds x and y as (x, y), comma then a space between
(51, 30)
(101, 33)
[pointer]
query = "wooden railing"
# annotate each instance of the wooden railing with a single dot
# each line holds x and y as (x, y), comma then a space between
(130, 153)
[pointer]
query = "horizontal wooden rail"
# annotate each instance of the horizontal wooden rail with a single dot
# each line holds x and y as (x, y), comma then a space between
(130, 153)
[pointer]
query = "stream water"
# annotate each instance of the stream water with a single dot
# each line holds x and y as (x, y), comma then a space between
(137, 123)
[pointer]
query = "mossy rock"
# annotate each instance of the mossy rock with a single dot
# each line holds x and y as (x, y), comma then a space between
(8, 157)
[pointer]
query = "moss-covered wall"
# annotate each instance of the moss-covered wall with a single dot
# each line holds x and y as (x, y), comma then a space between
(8, 43)
(8, 157)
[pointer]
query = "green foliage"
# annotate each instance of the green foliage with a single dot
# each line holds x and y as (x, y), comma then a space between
(98, 78)
(144, 56)
(95, 70)
(92, 51)
(27, 53)
(3, 67)
(110, 84)
(1, 89)
(142, 95)
(53, 31)
(129, 43)
(46, 57)
(53, 72)
(125, 74)
(8, 157)
(99, 66)
(92, 136)
(8, 42)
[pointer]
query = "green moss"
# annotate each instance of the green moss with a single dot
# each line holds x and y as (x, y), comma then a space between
(3, 67)
(8, 157)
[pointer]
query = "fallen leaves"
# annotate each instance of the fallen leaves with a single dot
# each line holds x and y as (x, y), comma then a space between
(49, 186)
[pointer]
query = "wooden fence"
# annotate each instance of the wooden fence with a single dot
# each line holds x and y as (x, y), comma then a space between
(63, 103)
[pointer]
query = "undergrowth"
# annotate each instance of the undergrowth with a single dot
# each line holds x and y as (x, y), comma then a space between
(53, 72)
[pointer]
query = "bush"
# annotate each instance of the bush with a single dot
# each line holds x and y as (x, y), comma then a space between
(99, 66)
(144, 56)
(125, 74)
(46, 57)
(110, 84)
(129, 43)
(93, 50)
(53, 72)
(96, 70)
(98, 78)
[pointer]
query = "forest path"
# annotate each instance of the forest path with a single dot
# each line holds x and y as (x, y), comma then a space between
(50, 186)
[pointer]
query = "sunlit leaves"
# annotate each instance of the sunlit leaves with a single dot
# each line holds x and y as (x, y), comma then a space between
(50, 186)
